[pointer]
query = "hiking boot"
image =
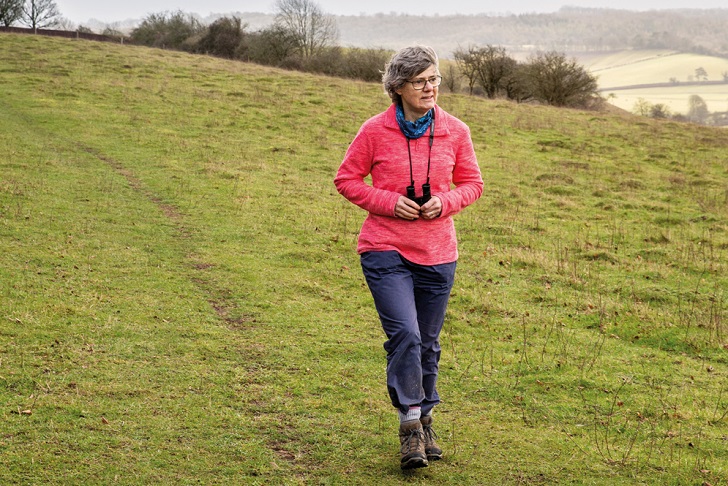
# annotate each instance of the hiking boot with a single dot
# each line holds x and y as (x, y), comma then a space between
(432, 450)
(412, 442)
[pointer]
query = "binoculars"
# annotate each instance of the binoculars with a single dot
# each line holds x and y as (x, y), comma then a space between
(422, 199)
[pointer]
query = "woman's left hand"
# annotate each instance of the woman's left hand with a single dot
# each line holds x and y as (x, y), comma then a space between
(432, 208)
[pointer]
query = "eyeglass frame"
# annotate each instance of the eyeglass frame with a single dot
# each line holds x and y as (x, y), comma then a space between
(427, 80)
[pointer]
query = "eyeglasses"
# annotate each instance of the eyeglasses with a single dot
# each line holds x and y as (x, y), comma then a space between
(420, 83)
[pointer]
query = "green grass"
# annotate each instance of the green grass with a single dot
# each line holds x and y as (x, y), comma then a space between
(181, 302)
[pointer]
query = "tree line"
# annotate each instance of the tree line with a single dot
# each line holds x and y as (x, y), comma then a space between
(304, 37)
(547, 77)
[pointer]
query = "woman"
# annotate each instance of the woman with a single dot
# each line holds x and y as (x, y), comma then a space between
(414, 152)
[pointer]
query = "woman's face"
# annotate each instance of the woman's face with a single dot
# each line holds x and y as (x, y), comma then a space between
(417, 103)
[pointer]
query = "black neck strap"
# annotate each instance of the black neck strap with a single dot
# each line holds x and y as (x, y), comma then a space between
(429, 152)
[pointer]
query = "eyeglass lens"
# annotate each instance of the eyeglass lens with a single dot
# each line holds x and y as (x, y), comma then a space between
(420, 83)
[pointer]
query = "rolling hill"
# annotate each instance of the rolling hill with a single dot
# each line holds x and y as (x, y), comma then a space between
(181, 301)
(660, 76)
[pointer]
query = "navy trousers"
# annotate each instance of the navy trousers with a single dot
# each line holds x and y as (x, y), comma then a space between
(411, 301)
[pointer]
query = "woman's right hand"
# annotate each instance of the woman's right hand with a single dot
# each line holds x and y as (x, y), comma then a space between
(407, 209)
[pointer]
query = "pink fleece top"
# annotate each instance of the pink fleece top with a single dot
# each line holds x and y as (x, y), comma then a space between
(380, 150)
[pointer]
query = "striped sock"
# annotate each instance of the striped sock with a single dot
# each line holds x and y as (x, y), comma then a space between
(412, 414)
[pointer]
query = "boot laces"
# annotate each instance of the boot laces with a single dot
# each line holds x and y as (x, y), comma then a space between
(430, 434)
(412, 442)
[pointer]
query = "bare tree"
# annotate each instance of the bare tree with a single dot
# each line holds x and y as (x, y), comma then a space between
(489, 66)
(451, 76)
(642, 107)
(10, 11)
(558, 81)
(39, 14)
(313, 29)
(493, 67)
(467, 63)
(62, 23)
(516, 83)
(114, 31)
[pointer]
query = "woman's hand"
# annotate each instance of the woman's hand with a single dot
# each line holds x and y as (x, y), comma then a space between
(432, 208)
(407, 209)
(410, 210)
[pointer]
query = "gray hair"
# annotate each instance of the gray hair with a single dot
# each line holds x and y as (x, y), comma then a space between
(405, 64)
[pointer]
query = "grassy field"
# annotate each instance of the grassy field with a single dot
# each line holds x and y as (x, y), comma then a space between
(675, 97)
(628, 68)
(181, 302)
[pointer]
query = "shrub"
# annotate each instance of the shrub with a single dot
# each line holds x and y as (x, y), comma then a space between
(558, 81)
(167, 30)
(273, 46)
(223, 38)
(364, 64)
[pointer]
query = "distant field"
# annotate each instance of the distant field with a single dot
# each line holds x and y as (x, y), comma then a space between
(630, 68)
(716, 97)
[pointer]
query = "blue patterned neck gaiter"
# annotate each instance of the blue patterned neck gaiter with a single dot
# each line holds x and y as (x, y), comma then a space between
(415, 129)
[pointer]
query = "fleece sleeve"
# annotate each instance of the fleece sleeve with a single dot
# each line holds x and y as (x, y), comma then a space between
(466, 178)
(349, 180)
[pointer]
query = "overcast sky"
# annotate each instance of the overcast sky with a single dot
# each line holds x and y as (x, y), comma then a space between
(116, 11)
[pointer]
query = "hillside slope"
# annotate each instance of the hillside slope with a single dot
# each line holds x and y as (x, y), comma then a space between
(181, 302)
